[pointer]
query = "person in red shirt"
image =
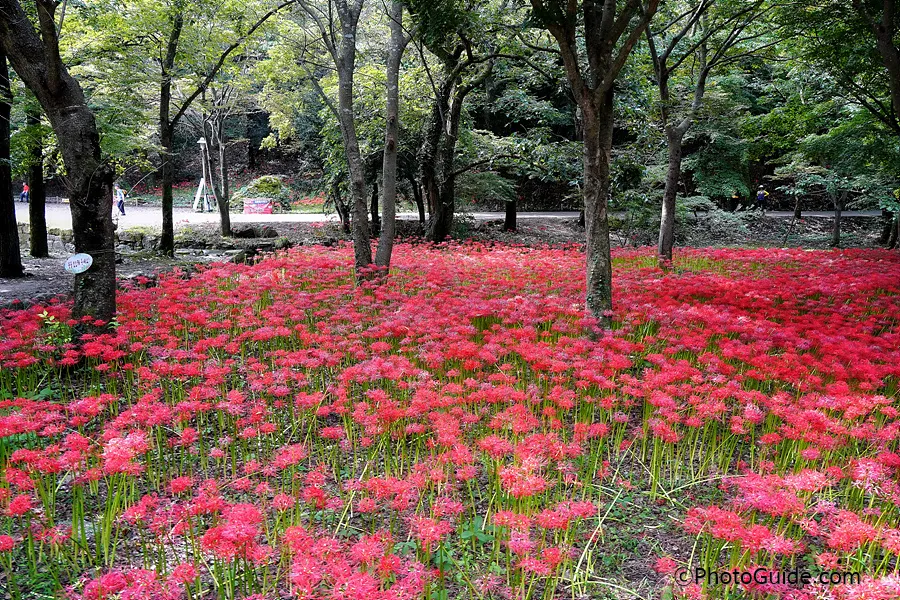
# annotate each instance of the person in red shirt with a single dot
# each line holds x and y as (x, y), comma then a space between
(23, 197)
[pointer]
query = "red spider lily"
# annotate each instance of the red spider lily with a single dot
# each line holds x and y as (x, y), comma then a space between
(291, 427)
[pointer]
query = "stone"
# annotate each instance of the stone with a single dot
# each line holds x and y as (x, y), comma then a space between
(246, 233)
(150, 242)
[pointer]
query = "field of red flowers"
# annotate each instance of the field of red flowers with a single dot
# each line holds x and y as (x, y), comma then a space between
(275, 431)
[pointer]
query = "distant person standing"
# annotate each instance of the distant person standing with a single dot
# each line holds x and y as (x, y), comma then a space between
(119, 195)
(23, 197)
(762, 199)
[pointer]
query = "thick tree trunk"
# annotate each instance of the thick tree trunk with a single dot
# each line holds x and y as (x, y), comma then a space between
(603, 28)
(10, 253)
(391, 133)
(444, 207)
(674, 140)
(37, 202)
(885, 33)
(509, 222)
(442, 215)
(359, 225)
(37, 61)
(430, 155)
(432, 198)
(598, 126)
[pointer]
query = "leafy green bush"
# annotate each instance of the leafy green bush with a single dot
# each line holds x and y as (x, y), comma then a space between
(699, 222)
(463, 226)
(267, 186)
(693, 205)
(635, 218)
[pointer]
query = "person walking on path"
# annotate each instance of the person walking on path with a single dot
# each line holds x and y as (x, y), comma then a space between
(23, 197)
(762, 199)
(119, 196)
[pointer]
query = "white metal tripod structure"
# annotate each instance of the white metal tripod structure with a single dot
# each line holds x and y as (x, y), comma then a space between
(205, 189)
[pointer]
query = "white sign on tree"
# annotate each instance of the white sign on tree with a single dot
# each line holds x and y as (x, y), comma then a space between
(78, 263)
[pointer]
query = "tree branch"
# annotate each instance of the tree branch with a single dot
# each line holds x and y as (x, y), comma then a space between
(224, 56)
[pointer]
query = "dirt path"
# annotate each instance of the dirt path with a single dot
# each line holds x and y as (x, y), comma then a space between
(45, 278)
(58, 216)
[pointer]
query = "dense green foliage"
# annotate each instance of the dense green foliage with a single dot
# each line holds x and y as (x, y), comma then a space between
(801, 100)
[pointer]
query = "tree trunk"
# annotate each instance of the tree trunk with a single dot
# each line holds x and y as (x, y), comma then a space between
(225, 195)
(346, 59)
(167, 176)
(37, 201)
(885, 33)
(895, 232)
(255, 121)
(341, 208)
(359, 225)
(798, 211)
(836, 231)
(10, 253)
(37, 61)
(673, 176)
(442, 215)
(887, 219)
(430, 155)
(373, 208)
(222, 190)
(603, 28)
(509, 222)
(391, 133)
(598, 127)
(166, 130)
(429, 194)
(445, 201)
(417, 198)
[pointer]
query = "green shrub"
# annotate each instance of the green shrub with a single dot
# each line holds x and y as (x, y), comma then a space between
(267, 186)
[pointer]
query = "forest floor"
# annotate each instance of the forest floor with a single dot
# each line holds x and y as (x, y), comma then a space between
(201, 243)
